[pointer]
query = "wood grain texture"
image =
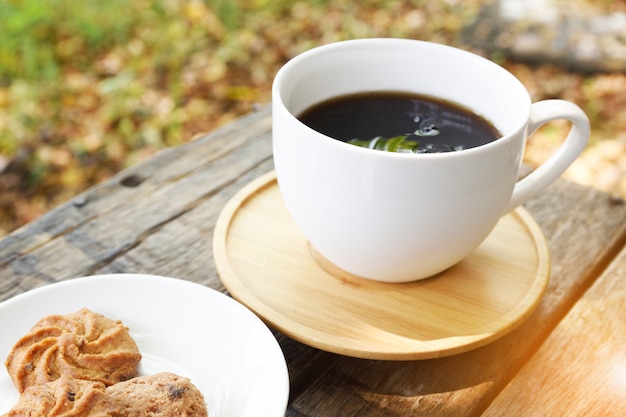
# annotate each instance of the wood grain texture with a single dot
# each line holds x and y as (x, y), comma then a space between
(161, 225)
(266, 263)
(158, 218)
(581, 369)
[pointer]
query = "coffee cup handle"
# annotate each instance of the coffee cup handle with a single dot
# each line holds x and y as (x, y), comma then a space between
(541, 113)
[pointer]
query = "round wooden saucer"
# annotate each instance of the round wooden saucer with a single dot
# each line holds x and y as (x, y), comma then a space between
(266, 264)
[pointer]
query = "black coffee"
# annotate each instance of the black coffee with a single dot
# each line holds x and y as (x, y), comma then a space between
(400, 122)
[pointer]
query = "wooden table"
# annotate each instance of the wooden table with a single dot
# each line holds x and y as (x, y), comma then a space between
(568, 358)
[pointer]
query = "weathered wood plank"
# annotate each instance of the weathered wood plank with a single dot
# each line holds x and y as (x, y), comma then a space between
(581, 369)
(161, 222)
(584, 228)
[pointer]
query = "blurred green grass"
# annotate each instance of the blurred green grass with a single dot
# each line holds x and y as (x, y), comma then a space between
(88, 88)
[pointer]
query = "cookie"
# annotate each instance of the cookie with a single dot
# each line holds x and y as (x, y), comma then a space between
(160, 395)
(83, 345)
(65, 396)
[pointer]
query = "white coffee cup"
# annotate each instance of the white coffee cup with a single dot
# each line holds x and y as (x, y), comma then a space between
(398, 217)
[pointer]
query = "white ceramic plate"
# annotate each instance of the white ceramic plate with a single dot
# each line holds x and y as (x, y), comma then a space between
(179, 326)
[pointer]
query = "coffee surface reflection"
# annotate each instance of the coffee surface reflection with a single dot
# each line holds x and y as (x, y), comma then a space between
(400, 122)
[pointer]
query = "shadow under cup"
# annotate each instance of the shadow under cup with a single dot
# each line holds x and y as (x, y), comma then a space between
(387, 216)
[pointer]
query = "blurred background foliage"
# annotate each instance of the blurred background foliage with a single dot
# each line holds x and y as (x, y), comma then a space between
(88, 88)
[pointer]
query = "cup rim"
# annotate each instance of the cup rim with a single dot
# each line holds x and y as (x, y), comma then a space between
(277, 98)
